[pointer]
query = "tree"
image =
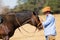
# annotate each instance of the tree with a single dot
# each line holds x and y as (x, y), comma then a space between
(54, 4)
(33, 5)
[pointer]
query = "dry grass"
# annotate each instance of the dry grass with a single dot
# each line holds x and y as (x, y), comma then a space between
(37, 35)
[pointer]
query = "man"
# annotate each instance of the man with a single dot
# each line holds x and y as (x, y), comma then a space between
(49, 24)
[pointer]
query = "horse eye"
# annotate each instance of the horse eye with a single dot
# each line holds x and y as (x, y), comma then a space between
(1, 19)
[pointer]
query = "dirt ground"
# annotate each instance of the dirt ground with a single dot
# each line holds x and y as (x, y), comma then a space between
(38, 35)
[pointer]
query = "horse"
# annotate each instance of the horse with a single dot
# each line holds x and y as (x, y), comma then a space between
(11, 21)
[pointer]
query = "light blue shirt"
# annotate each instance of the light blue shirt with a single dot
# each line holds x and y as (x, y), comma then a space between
(49, 25)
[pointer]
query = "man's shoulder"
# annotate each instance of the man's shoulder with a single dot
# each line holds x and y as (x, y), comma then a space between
(50, 15)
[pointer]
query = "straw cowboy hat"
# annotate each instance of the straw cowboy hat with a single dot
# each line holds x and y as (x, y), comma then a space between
(45, 9)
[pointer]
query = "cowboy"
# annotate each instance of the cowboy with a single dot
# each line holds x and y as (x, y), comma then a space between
(49, 24)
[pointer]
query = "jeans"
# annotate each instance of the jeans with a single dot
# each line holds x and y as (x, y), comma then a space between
(46, 37)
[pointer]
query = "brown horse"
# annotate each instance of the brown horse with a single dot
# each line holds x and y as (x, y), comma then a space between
(10, 22)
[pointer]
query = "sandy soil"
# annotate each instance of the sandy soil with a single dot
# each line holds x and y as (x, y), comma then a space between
(38, 35)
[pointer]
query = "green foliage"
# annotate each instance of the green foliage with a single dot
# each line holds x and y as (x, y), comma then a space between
(27, 5)
(32, 4)
(54, 4)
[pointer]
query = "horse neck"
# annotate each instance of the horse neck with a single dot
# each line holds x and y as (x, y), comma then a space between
(12, 20)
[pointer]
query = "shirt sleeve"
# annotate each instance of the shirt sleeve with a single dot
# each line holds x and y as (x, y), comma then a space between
(48, 21)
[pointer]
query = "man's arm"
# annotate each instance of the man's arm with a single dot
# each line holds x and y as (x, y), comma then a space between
(48, 21)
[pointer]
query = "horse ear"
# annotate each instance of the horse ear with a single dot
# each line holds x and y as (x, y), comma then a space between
(34, 13)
